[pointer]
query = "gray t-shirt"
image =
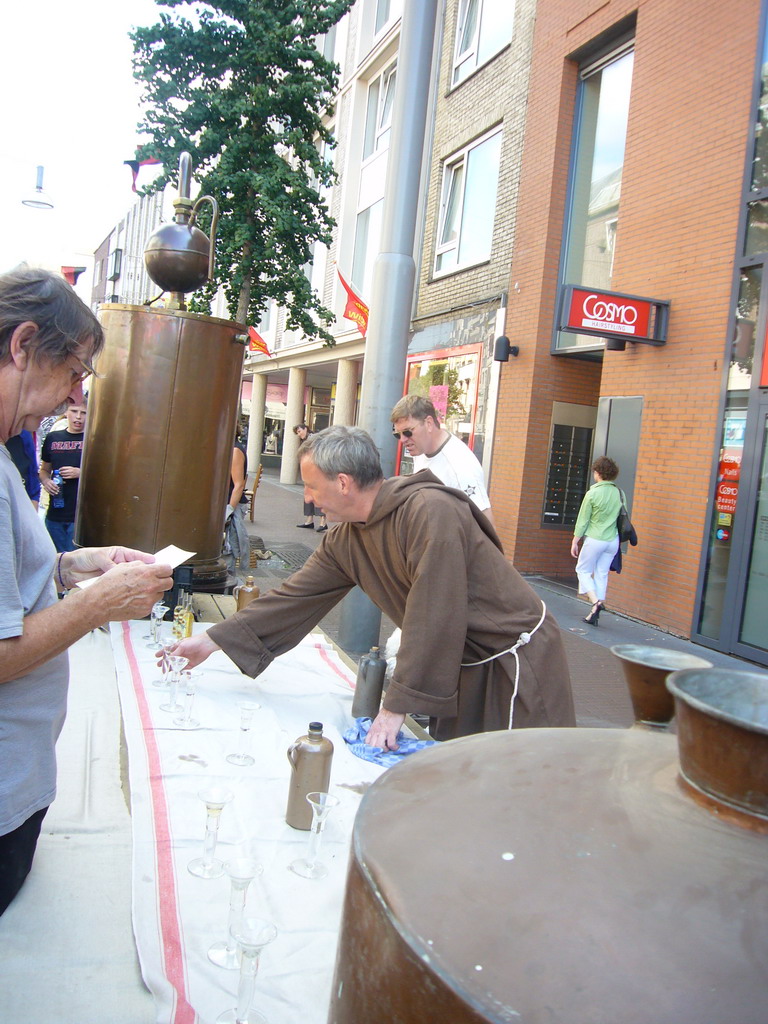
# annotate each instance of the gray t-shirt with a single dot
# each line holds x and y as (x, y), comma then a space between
(32, 707)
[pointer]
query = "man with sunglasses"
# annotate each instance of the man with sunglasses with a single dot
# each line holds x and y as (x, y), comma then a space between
(48, 338)
(432, 447)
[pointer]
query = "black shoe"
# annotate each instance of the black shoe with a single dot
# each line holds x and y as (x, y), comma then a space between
(594, 616)
(321, 529)
(305, 526)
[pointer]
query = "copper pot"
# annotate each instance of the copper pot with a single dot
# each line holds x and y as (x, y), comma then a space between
(722, 730)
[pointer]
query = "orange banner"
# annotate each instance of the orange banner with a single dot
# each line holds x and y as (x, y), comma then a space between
(256, 343)
(355, 308)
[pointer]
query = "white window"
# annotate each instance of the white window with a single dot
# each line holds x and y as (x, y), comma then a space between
(386, 12)
(378, 117)
(367, 239)
(468, 205)
(484, 27)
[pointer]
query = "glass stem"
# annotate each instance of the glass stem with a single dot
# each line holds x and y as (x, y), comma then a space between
(236, 909)
(314, 841)
(246, 988)
(209, 844)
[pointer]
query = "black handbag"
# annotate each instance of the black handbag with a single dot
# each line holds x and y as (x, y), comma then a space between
(624, 525)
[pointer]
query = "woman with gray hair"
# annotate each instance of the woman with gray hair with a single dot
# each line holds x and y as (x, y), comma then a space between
(48, 340)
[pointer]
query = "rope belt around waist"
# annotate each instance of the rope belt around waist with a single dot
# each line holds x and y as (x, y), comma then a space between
(522, 640)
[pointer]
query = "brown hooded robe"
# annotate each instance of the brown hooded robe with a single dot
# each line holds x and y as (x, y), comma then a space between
(433, 563)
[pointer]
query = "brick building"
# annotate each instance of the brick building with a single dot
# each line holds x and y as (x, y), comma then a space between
(642, 118)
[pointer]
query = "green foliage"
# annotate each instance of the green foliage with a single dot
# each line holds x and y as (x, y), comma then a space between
(241, 86)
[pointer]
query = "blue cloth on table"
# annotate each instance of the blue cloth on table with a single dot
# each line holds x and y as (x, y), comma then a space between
(355, 738)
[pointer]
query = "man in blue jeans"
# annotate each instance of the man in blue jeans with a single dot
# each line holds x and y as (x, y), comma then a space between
(63, 452)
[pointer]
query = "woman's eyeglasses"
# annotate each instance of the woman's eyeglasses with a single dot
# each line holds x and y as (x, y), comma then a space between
(397, 434)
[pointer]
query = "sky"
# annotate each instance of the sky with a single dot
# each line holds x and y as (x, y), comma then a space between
(70, 104)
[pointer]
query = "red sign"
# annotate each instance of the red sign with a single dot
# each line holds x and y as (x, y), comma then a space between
(727, 492)
(609, 313)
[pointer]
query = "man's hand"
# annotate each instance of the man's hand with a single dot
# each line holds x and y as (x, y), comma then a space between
(194, 648)
(384, 729)
(70, 472)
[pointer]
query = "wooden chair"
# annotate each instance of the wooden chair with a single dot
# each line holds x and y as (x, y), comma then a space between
(251, 493)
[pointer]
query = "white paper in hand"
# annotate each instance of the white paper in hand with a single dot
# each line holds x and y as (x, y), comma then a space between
(170, 555)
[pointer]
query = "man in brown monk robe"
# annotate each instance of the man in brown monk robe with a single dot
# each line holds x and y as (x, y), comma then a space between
(479, 650)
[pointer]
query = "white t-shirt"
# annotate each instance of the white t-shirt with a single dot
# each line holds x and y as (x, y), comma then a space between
(456, 465)
(32, 707)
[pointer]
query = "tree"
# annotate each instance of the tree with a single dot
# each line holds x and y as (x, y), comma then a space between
(243, 88)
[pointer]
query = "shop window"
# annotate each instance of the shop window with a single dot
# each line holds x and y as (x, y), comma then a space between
(723, 516)
(568, 474)
(593, 207)
(484, 27)
(468, 205)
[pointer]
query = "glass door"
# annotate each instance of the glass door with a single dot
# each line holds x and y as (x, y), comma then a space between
(752, 637)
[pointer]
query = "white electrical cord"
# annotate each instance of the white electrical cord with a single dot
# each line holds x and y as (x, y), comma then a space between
(524, 638)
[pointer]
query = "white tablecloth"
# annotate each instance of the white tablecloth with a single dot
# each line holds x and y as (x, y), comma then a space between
(176, 915)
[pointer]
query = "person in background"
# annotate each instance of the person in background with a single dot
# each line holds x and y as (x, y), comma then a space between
(63, 453)
(48, 340)
(24, 455)
(479, 649)
(310, 510)
(596, 523)
(236, 543)
(431, 446)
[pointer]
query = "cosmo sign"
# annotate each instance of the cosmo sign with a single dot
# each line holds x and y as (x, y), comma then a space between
(613, 316)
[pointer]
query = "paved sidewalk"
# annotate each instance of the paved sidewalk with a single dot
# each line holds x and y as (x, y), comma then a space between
(599, 689)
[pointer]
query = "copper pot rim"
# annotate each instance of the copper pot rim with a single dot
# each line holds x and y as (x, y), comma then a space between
(676, 684)
(625, 653)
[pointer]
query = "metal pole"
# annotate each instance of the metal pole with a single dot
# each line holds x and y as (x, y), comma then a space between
(394, 272)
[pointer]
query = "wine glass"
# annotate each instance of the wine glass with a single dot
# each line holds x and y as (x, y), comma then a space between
(158, 613)
(215, 799)
(253, 935)
(247, 709)
(163, 665)
(310, 867)
(176, 663)
(185, 720)
(241, 872)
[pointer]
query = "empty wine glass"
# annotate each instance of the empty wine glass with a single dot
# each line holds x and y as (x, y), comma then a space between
(215, 799)
(176, 663)
(163, 665)
(242, 872)
(242, 757)
(253, 935)
(158, 613)
(185, 720)
(310, 867)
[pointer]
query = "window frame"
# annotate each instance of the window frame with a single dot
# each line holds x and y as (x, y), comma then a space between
(470, 55)
(451, 164)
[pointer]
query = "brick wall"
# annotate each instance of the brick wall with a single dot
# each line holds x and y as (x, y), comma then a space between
(680, 204)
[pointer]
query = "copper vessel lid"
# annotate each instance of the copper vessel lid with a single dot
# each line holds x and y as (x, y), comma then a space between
(740, 698)
(566, 876)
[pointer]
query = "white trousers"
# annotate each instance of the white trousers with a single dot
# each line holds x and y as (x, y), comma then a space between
(594, 564)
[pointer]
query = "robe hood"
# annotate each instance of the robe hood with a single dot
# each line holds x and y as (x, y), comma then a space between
(397, 490)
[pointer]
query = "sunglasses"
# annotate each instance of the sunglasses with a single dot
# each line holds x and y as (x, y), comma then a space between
(397, 434)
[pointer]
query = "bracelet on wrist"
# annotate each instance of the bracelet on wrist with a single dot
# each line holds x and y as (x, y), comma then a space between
(58, 571)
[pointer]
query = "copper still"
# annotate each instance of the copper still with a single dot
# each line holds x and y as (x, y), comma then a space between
(162, 413)
(561, 875)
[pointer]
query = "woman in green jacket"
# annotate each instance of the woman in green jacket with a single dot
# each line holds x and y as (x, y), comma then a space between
(596, 523)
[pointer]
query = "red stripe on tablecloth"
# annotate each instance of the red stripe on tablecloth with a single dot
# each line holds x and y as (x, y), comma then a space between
(332, 664)
(173, 955)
